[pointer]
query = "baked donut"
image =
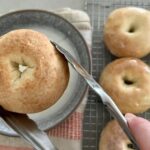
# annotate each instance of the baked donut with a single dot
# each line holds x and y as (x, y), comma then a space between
(127, 81)
(43, 79)
(127, 32)
(114, 138)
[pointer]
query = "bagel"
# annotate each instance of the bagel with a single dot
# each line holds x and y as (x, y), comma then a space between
(114, 138)
(44, 76)
(127, 32)
(127, 81)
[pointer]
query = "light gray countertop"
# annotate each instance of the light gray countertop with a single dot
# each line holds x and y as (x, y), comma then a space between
(11, 5)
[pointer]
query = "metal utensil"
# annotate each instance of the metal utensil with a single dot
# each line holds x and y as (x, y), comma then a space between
(106, 99)
(27, 129)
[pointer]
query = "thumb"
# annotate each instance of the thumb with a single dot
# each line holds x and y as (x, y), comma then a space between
(140, 129)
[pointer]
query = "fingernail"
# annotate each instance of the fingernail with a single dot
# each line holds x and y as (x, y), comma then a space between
(129, 117)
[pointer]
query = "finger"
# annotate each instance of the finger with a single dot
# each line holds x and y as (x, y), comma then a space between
(140, 129)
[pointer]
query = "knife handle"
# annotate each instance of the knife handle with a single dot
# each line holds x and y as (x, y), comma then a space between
(28, 130)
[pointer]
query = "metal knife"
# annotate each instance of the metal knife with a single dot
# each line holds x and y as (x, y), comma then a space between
(27, 129)
(106, 99)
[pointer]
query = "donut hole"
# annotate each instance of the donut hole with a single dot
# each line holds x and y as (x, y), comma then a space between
(21, 68)
(128, 81)
(14, 65)
(130, 146)
(131, 29)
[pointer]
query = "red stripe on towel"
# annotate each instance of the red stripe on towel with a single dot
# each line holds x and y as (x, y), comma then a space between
(70, 128)
(13, 148)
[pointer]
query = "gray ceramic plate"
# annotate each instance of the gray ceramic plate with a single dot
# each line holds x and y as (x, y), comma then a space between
(61, 31)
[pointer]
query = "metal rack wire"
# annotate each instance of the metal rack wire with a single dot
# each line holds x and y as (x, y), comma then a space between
(96, 117)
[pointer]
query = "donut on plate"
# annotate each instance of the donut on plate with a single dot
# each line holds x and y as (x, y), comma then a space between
(127, 81)
(127, 32)
(44, 75)
(114, 138)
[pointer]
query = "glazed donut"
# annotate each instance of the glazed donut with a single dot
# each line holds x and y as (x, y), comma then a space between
(43, 79)
(127, 32)
(127, 81)
(114, 138)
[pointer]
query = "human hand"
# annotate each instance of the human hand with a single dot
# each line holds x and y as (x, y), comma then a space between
(140, 129)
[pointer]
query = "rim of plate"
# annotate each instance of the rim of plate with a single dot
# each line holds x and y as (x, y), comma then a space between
(72, 109)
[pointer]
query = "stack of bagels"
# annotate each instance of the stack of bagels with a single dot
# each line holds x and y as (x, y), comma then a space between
(126, 79)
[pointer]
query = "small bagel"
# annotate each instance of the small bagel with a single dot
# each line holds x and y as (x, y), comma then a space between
(114, 138)
(127, 32)
(127, 81)
(43, 79)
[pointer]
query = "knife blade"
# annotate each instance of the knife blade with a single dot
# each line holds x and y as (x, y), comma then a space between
(27, 129)
(106, 99)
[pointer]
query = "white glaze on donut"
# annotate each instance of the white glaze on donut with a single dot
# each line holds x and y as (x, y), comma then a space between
(127, 81)
(127, 32)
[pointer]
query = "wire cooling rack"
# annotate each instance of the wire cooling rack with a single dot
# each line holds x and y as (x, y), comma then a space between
(95, 116)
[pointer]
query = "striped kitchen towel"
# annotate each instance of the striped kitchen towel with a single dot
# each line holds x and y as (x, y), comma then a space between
(66, 135)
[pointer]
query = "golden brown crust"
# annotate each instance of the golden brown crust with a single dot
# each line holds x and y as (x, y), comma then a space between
(113, 138)
(127, 81)
(42, 83)
(127, 32)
